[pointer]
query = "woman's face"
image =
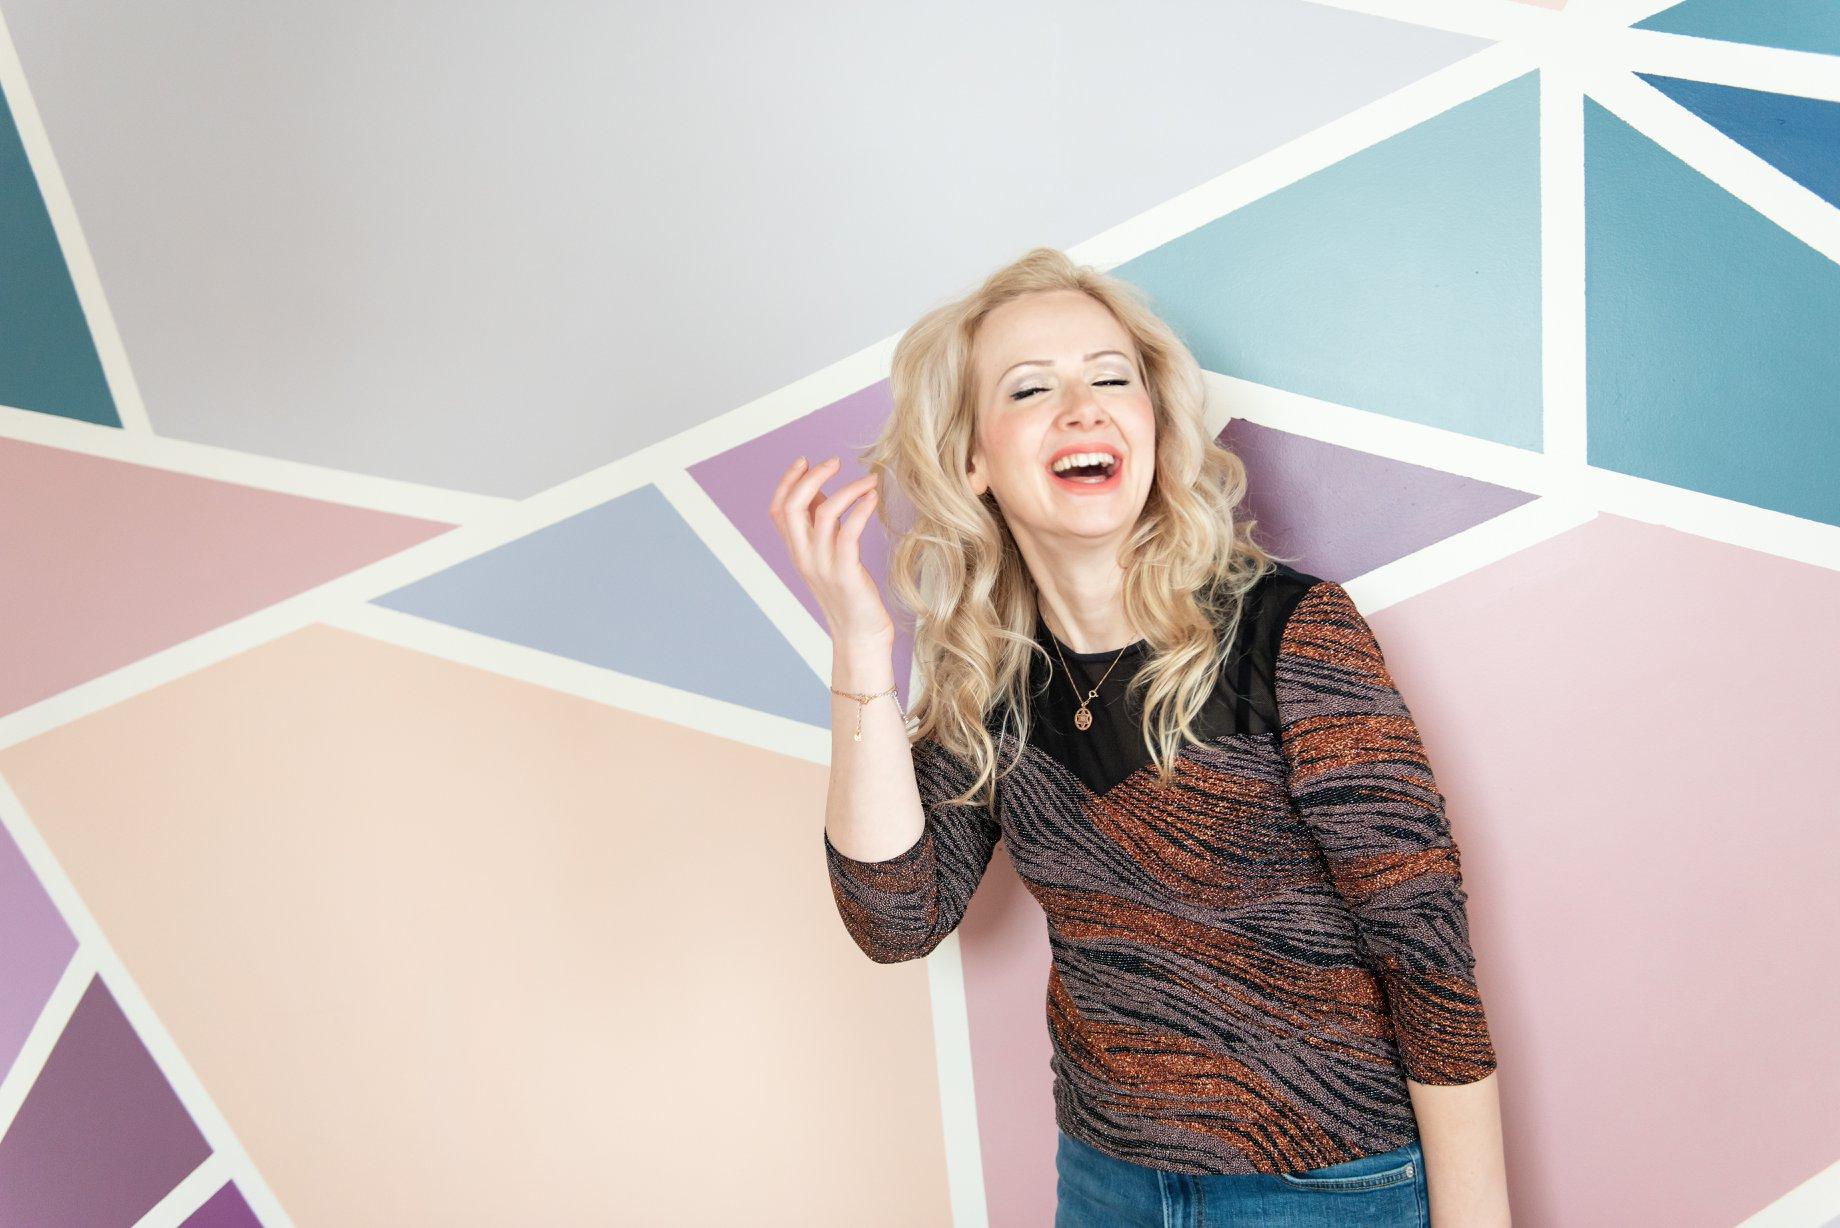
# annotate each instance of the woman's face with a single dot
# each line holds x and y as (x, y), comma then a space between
(1057, 375)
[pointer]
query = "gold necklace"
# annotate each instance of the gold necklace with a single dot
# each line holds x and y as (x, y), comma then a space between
(1083, 718)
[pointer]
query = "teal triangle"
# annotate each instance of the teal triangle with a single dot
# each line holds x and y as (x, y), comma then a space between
(48, 361)
(1794, 25)
(627, 586)
(1711, 361)
(1403, 279)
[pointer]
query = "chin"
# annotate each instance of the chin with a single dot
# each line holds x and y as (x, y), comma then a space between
(1093, 527)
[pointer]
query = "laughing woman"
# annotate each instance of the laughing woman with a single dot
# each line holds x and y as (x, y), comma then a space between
(1262, 1000)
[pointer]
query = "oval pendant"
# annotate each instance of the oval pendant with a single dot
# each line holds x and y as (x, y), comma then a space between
(1082, 719)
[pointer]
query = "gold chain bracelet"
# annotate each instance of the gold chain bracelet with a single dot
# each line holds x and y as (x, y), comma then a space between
(862, 701)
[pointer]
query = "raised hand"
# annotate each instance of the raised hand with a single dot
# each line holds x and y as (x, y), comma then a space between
(822, 533)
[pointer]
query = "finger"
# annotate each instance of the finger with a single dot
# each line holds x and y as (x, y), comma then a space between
(778, 507)
(850, 530)
(798, 504)
(777, 504)
(824, 521)
(776, 511)
(837, 504)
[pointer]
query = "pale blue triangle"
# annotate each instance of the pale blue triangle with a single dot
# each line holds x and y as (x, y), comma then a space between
(49, 362)
(629, 587)
(1795, 25)
(1403, 279)
(1710, 334)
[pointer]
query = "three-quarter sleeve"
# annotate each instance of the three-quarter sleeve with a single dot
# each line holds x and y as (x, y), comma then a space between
(902, 907)
(1360, 779)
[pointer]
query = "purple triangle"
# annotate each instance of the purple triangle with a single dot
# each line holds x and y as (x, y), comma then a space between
(101, 1137)
(224, 1209)
(1342, 512)
(35, 948)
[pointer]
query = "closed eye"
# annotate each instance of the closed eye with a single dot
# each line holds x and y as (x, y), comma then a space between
(1023, 393)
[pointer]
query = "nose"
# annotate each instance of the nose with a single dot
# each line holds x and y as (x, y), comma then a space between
(1083, 408)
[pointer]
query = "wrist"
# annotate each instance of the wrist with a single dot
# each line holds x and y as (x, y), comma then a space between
(868, 642)
(870, 655)
(862, 677)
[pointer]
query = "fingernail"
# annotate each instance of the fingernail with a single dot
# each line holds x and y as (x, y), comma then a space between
(799, 464)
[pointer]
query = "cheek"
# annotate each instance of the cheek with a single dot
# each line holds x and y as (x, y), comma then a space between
(1009, 447)
(1144, 428)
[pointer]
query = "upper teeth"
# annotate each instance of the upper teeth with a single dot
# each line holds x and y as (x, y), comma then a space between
(1076, 459)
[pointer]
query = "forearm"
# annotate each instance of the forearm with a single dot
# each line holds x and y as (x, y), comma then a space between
(872, 810)
(903, 863)
(1466, 1172)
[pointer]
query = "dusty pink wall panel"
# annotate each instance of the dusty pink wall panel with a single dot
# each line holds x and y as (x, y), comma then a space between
(108, 562)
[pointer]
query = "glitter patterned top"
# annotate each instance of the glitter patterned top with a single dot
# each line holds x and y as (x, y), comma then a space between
(1248, 963)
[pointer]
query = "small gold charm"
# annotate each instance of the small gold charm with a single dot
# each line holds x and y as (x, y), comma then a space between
(1083, 718)
(862, 701)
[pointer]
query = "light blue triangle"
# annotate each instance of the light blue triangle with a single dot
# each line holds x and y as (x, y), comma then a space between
(627, 586)
(1404, 279)
(48, 361)
(1710, 334)
(1795, 25)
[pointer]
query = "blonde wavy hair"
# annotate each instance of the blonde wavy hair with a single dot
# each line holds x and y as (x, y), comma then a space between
(954, 565)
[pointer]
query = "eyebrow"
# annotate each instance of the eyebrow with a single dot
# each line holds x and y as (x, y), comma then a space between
(1047, 362)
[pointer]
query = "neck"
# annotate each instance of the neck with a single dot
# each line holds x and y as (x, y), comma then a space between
(1081, 594)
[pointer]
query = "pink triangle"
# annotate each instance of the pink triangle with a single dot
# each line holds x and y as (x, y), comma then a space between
(108, 562)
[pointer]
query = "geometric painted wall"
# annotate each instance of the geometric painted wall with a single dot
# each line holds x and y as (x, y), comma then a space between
(413, 736)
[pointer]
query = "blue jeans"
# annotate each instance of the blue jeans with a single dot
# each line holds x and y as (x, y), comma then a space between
(1096, 1190)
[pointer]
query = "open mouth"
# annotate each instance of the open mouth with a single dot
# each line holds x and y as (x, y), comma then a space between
(1087, 470)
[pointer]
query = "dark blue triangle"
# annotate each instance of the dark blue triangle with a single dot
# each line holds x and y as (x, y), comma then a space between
(1798, 136)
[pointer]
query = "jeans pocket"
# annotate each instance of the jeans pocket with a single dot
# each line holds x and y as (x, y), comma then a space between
(1367, 1173)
